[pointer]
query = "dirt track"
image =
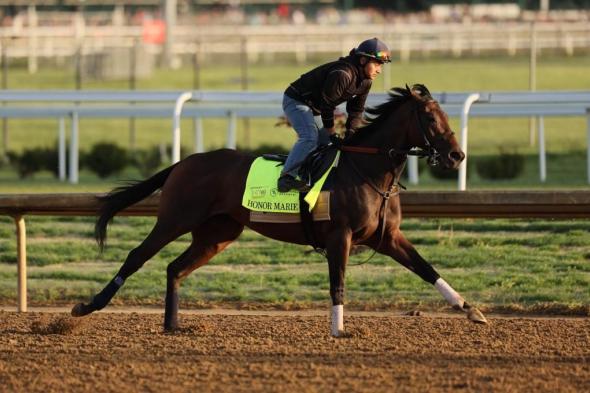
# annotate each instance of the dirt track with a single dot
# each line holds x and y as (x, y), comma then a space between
(218, 353)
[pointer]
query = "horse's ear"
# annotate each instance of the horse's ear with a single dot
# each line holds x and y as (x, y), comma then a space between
(422, 90)
(408, 89)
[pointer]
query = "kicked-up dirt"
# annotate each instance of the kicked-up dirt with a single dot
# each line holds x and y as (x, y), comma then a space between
(106, 352)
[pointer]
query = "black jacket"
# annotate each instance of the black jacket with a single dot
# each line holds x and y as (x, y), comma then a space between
(331, 84)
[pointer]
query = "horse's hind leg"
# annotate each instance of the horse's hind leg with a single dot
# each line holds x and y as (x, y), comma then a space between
(160, 236)
(208, 240)
(400, 249)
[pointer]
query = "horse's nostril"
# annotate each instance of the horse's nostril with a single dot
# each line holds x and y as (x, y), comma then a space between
(456, 156)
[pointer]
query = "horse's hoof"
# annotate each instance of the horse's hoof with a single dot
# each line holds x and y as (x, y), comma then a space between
(339, 333)
(80, 310)
(476, 316)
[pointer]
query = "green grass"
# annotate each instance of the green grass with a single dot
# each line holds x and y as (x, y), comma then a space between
(494, 263)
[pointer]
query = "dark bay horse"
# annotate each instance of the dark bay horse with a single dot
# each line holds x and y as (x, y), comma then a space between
(202, 194)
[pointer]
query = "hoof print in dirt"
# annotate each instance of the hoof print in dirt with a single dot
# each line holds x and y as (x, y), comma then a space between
(61, 325)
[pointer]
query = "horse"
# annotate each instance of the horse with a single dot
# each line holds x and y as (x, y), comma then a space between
(202, 194)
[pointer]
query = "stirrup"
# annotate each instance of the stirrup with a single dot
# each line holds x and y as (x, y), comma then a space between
(287, 183)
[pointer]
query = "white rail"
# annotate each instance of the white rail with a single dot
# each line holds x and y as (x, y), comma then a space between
(233, 105)
(464, 117)
(136, 105)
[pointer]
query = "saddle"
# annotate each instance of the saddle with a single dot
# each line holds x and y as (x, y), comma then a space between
(311, 170)
(315, 164)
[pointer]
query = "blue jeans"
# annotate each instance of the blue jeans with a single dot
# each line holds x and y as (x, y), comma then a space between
(310, 133)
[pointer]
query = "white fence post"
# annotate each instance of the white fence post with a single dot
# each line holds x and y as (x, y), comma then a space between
(413, 169)
(231, 130)
(184, 97)
(532, 77)
(61, 149)
(464, 117)
(21, 251)
(542, 156)
(199, 145)
(170, 14)
(405, 49)
(33, 39)
(74, 149)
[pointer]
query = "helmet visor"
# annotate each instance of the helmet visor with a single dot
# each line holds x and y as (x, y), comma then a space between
(383, 56)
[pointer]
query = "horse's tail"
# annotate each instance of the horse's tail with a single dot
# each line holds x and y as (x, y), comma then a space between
(125, 196)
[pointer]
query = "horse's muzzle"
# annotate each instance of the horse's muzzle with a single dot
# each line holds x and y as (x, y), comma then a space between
(454, 158)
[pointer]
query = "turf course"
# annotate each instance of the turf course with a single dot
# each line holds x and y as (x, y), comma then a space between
(500, 264)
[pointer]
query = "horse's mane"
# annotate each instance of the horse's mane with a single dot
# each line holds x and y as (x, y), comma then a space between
(375, 116)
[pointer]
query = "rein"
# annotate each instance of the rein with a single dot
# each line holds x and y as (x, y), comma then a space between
(432, 155)
(390, 153)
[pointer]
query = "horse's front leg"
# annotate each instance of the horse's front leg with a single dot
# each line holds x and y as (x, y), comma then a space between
(338, 248)
(400, 249)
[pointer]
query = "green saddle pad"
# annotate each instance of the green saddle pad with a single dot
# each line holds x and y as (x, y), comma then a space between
(261, 192)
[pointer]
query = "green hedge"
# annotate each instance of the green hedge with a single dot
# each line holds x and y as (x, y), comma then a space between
(503, 166)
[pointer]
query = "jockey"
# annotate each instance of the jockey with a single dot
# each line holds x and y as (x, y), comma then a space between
(318, 92)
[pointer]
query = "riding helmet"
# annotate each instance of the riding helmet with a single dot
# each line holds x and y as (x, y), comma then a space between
(375, 49)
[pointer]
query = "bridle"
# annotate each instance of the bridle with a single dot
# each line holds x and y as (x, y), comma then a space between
(428, 151)
(432, 155)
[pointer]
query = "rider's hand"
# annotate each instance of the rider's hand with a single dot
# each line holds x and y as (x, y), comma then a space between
(335, 139)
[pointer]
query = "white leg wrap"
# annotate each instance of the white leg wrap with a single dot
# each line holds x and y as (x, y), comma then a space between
(337, 320)
(449, 293)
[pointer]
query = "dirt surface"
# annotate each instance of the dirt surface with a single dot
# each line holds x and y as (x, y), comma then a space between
(52, 352)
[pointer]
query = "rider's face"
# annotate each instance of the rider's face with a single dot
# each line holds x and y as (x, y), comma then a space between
(372, 68)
